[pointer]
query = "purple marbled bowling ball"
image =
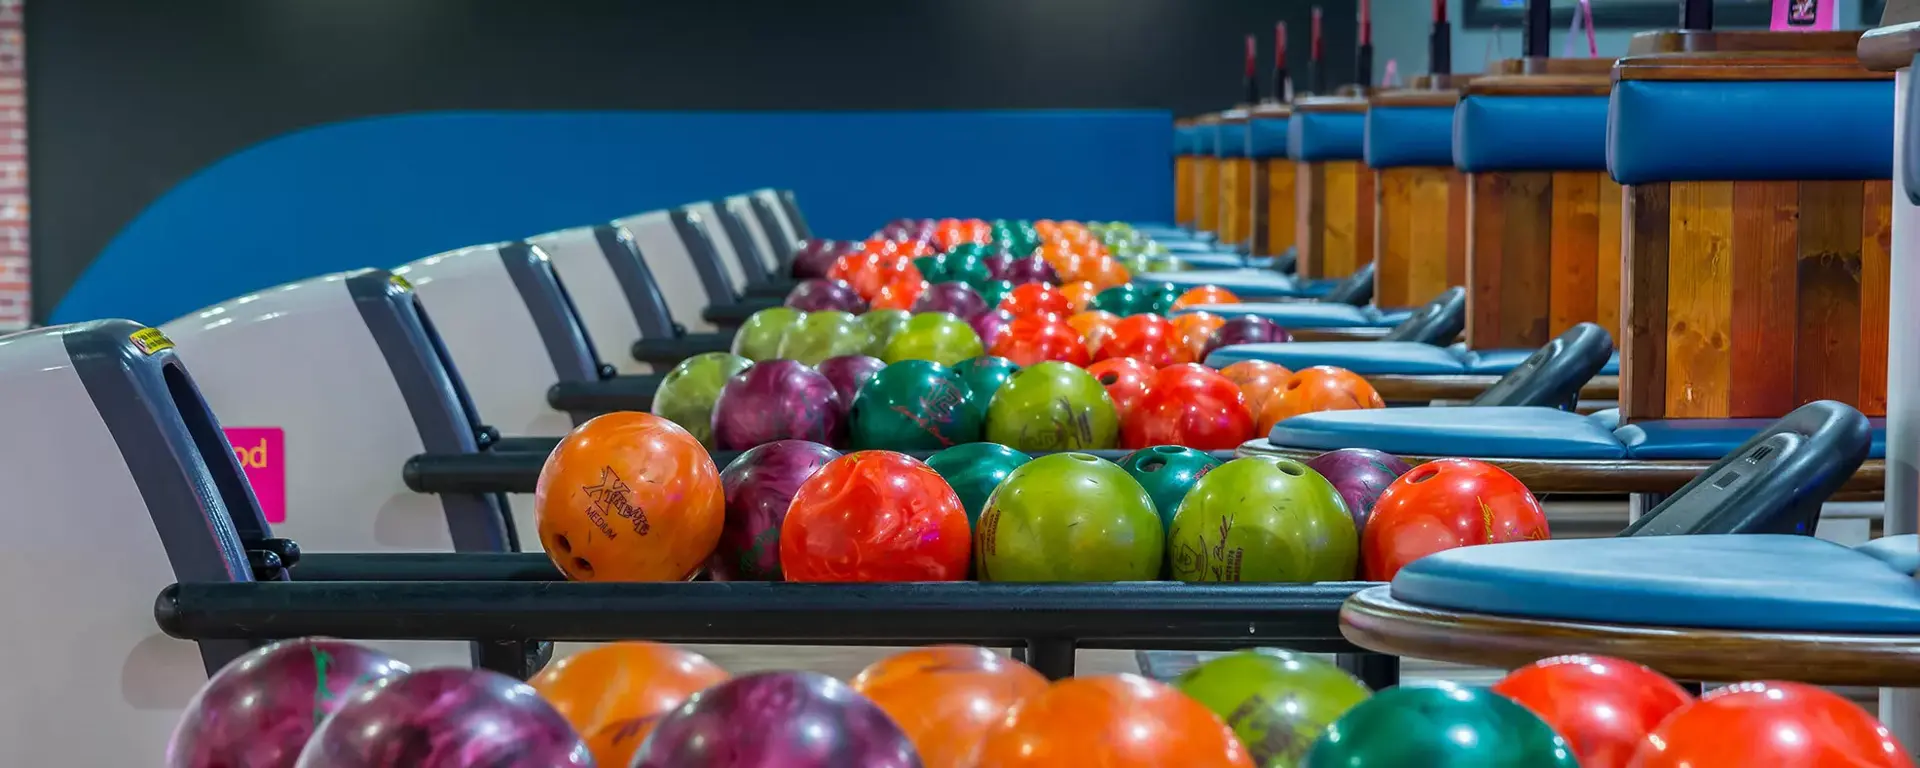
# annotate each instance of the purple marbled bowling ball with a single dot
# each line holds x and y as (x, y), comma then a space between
(445, 718)
(1359, 474)
(820, 294)
(1031, 269)
(261, 708)
(990, 325)
(815, 256)
(777, 400)
(797, 720)
(955, 298)
(760, 485)
(848, 373)
(1246, 329)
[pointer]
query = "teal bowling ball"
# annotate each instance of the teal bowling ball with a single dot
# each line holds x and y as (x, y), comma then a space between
(881, 325)
(985, 375)
(760, 336)
(687, 393)
(1439, 726)
(975, 470)
(993, 291)
(912, 405)
(1160, 298)
(1123, 300)
(821, 335)
(965, 266)
(930, 269)
(1168, 472)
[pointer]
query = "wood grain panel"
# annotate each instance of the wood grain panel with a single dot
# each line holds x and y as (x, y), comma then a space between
(1348, 223)
(1457, 187)
(1183, 189)
(1643, 345)
(1526, 262)
(1573, 290)
(1236, 200)
(1280, 203)
(1394, 245)
(1827, 344)
(1699, 299)
(1609, 259)
(1309, 209)
(1206, 193)
(1765, 255)
(1486, 221)
(1433, 231)
(1876, 263)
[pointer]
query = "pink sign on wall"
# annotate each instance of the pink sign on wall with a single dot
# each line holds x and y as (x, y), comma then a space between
(1803, 15)
(261, 452)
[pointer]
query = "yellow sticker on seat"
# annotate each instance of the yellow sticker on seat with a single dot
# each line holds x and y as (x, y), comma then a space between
(150, 340)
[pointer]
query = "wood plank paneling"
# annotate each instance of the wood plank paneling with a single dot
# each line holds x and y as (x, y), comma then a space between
(1335, 217)
(1183, 189)
(1280, 204)
(1699, 299)
(1342, 221)
(1457, 233)
(1206, 193)
(1526, 252)
(1236, 200)
(1609, 258)
(1765, 255)
(1876, 263)
(1433, 229)
(1310, 208)
(1394, 245)
(1643, 360)
(1573, 291)
(1486, 223)
(1827, 345)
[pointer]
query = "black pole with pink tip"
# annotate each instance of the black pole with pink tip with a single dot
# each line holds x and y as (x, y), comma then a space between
(1440, 42)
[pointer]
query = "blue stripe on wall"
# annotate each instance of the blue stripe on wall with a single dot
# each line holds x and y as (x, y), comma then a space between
(388, 190)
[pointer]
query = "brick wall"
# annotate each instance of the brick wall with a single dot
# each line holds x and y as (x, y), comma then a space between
(14, 301)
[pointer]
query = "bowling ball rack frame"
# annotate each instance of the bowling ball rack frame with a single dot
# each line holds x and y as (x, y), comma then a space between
(514, 603)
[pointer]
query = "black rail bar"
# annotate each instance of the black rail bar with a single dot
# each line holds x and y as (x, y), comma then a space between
(539, 445)
(620, 393)
(732, 315)
(426, 566)
(674, 350)
(774, 288)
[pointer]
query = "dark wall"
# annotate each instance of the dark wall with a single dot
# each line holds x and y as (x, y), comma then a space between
(129, 97)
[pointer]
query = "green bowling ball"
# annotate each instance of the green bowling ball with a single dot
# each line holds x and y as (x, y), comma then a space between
(984, 376)
(1439, 726)
(1053, 406)
(1166, 264)
(759, 337)
(975, 470)
(1161, 296)
(993, 291)
(1261, 518)
(687, 393)
(1123, 300)
(931, 269)
(821, 335)
(1278, 702)
(882, 324)
(1068, 517)
(937, 336)
(1168, 472)
(912, 405)
(965, 266)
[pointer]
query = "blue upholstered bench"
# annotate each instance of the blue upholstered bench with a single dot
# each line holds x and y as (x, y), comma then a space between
(1383, 358)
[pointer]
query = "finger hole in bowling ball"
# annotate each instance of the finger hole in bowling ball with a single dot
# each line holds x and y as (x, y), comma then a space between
(1152, 464)
(560, 540)
(1294, 384)
(585, 568)
(1289, 467)
(1084, 457)
(1109, 377)
(1423, 474)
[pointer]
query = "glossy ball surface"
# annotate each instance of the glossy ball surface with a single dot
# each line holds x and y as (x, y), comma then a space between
(629, 497)
(1446, 504)
(1069, 517)
(875, 516)
(1263, 519)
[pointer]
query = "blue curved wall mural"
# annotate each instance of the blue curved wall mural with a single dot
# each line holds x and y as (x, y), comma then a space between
(386, 190)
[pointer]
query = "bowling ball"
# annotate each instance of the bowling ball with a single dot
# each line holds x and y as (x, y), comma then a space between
(913, 405)
(1191, 332)
(875, 516)
(1604, 707)
(445, 718)
(1123, 300)
(629, 497)
(760, 485)
(1093, 326)
(975, 470)
(1069, 517)
(1773, 724)
(1019, 271)
(1444, 504)
(966, 265)
(1168, 472)
(814, 256)
(995, 292)
(819, 294)
(1246, 329)
(934, 336)
(784, 719)
(881, 325)
(900, 293)
(1259, 380)
(946, 697)
(958, 299)
(871, 270)
(1316, 389)
(1078, 294)
(1125, 380)
(262, 708)
(1105, 272)
(990, 324)
(759, 337)
(1360, 475)
(848, 373)
(1190, 405)
(1053, 406)
(1276, 701)
(1205, 294)
(1261, 518)
(1037, 299)
(1112, 721)
(614, 694)
(821, 335)
(688, 392)
(984, 376)
(1147, 338)
(778, 400)
(1439, 726)
(1032, 339)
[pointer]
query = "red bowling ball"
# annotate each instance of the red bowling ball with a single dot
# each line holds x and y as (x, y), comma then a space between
(1446, 504)
(1147, 338)
(1604, 707)
(1749, 725)
(1126, 381)
(875, 516)
(1188, 405)
(1032, 339)
(1037, 299)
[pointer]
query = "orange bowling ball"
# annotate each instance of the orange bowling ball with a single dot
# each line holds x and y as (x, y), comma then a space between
(875, 516)
(1112, 721)
(1259, 380)
(1036, 299)
(1079, 294)
(629, 497)
(1205, 294)
(1191, 333)
(1446, 504)
(613, 694)
(1106, 272)
(900, 293)
(1033, 339)
(869, 272)
(946, 697)
(1093, 326)
(1747, 725)
(1126, 381)
(1147, 338)
(1320, 388)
